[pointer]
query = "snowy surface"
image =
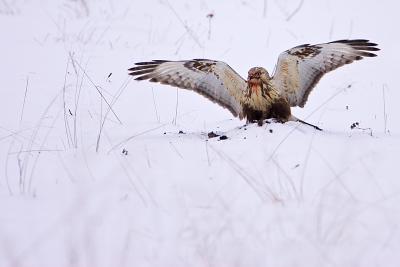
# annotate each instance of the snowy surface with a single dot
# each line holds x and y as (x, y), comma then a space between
(83, 184)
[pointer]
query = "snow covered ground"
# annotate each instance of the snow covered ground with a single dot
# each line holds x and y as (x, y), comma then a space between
(94, 171)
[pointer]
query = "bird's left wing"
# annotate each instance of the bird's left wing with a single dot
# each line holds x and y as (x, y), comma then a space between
(215, 80)
(300, 68)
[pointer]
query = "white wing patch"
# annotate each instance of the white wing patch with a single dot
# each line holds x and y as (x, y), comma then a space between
(212, 79)
(299, 69)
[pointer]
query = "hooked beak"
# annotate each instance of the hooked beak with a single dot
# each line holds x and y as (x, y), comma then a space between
(254, 79)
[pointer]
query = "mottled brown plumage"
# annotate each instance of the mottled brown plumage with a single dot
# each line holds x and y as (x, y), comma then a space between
(259, 97)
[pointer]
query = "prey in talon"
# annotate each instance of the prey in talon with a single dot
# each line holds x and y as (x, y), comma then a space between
(260, 96)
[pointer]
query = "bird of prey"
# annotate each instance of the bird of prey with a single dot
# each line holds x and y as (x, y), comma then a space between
(261, 96)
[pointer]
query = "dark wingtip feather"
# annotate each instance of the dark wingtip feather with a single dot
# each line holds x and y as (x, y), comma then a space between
(362, 45)
(142, 67)
(366, 48)
(203, 59)
(141, 78)
(370, 44)
(348, 41)
(140, 72)
(147, 67)
(153, 62)
(357, 42)
(144, 63)
(302, 45)
(366, 54)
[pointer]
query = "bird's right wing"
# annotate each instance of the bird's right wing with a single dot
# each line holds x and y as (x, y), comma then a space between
(215, 80)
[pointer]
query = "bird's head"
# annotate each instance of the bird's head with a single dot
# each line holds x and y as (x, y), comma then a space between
(258, 76)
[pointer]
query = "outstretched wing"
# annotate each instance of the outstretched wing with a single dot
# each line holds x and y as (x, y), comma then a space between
(212, 79)
(299, 69)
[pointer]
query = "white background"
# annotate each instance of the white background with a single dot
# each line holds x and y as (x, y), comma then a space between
(293, 197)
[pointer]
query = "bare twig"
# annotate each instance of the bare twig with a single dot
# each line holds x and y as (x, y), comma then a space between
(8, 9)
(331, 29)
(268, 38)
(67, 171)
(298, 125)
(187, 28)
(179, 42)
(303, 174)
(142, 133)
(85, 6)
(372, 178)
(155, 105)
(6, 169)
(101, 124)
(97, 88)
(113, 101)
(295, 11)
(176, 150)
(384, 108)
(337, 175)
(32, 141)
(102, 34)
(207, 153)
(21, 172)
(209, 16)
(34, 150)
(78, 89)
(351, 28)
(16, 133)
(132, 181)
(292, 34)
(66, 121)
(254, 185)
(265, 8)
(288, 178)
(147, 157)
(42, 145)
(136, 135)
(23, 104)
(176, 107)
